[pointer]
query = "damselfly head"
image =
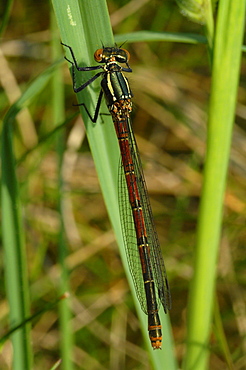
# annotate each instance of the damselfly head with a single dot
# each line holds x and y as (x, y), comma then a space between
(109, 54)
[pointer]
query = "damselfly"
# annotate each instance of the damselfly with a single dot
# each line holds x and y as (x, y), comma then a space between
(140, 237)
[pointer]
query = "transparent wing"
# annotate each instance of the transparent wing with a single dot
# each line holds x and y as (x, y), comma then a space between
(130, 239)
(156, 259)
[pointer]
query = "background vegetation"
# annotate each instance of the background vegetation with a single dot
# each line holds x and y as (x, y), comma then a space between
(171, 85)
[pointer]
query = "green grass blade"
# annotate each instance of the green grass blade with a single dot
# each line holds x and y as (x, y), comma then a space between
(47, 307)
(86, 28)
(225, 73)
(56, 365)
(16, 279)
(5, 16)
(65, 315)
(188, 38)
(33, 89)
(13, 231)
(220, 334)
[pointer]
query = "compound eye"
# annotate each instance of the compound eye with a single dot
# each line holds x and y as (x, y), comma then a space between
(98, 55)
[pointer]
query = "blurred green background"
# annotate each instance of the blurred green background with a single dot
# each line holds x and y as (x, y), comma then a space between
(171, 84)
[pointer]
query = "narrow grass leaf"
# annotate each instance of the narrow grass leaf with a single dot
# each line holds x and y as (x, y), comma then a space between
(225, 74)
(13, 231)
(16, 280)
(65, 314)
(160, 36)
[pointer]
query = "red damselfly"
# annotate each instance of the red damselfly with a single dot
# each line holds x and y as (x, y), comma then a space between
(141, 241)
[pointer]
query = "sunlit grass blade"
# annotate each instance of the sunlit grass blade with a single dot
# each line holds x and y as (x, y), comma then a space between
(225, 74)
